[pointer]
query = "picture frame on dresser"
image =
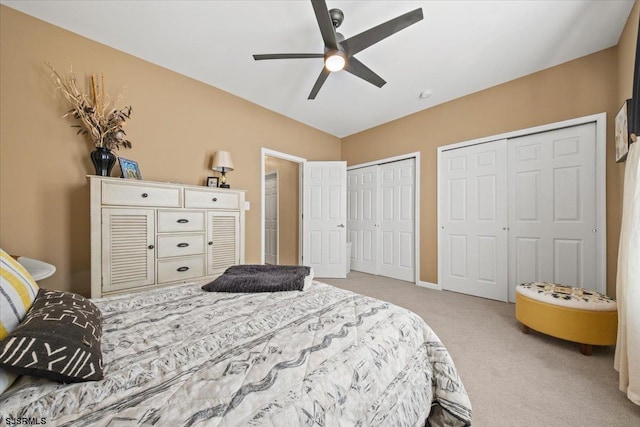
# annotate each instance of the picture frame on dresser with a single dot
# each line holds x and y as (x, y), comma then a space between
(129, 168)
(212, 181)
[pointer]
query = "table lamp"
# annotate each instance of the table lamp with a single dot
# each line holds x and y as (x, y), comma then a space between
(222, 163)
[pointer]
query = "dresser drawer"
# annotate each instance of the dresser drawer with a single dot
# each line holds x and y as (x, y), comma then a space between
(170, 221)
(171, 270)
(139, 195)
(172, 245)
(210, 199)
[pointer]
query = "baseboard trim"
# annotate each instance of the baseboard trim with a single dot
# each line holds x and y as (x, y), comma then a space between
(429, 285)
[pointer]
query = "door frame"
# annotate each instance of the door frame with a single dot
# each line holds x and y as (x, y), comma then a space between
(264, 152)
(600, 121)
(416, 206)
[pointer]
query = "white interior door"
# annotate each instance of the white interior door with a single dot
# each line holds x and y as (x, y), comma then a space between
(324, 218)
(473, 220)
(552, 208)
(271, 218)
(362, 222)
(396, 244)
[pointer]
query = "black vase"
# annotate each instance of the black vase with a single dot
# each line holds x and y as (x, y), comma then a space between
(103, 160)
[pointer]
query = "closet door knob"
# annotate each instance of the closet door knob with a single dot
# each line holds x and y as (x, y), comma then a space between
(215, 199)
(210, 243)
(181, 269)
(150, 246)
(182, 221)
(183, 245)
(341, 225)
(145, 195)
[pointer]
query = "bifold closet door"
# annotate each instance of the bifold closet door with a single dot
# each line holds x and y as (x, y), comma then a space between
(381, 225)
(520, 210)
(362, 220)
(473, 220)
(396, 242)
(552, 208)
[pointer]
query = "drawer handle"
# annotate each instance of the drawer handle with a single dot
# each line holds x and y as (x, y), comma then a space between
(183, 245)
(215, 199)
(150, 246)
(145, 195)
(181, 269)
(182, 221)
(210, 243)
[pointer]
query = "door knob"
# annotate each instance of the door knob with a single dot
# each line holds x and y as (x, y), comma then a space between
(341, 225)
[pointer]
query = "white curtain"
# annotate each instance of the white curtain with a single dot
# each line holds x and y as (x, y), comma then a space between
(627, 359)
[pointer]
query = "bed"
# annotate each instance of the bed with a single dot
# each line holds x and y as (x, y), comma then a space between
(319, 357)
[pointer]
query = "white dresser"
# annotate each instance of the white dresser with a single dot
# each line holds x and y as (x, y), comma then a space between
(146, 234)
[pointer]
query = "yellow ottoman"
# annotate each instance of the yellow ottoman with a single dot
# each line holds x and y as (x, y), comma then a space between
(573, 314)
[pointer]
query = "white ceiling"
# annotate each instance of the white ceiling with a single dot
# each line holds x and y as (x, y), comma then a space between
(460, 47)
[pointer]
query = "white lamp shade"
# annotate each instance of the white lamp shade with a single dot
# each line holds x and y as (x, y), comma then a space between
(222, 162)
(335, 61)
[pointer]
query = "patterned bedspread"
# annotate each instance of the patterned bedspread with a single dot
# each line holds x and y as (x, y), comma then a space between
(180, 356)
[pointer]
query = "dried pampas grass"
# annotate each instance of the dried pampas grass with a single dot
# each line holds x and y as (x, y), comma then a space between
(103, 123)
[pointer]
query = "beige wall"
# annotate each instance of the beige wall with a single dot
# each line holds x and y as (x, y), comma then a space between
(626, 54)
(582, 87)
(177, 125)
(288, 207)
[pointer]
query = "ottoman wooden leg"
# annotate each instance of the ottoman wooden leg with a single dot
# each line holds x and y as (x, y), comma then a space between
(586, 349)
(525, 329)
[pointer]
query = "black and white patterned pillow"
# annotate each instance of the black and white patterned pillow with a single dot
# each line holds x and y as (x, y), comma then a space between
(59, 339)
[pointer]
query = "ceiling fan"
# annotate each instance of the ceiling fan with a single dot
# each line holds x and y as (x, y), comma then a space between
(338, 52)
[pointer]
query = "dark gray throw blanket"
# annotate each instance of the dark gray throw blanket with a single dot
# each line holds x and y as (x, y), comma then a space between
(260, 278)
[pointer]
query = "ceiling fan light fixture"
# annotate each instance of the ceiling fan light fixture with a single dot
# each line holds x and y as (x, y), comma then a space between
(339, 52)
(335, 61)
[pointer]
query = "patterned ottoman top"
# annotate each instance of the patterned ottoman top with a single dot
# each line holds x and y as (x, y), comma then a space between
(567, 296)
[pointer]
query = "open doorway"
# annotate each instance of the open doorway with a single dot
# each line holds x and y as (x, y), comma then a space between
(280, 208)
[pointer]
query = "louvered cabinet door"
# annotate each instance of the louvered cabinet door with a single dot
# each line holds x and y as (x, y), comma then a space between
(223, 235)
(127, 248)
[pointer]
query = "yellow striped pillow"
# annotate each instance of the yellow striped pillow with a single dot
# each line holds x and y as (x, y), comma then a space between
(17, 292)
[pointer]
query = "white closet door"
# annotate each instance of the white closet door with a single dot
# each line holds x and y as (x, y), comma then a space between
(396, 244)
(362, 217)
(552, 208)
(324, 217)
(473, 219)
(271, 218)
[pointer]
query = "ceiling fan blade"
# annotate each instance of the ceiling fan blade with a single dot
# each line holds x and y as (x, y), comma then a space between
(288, 56)
(358, 69)
(325, 24)
(321, 79)
(373, 35)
